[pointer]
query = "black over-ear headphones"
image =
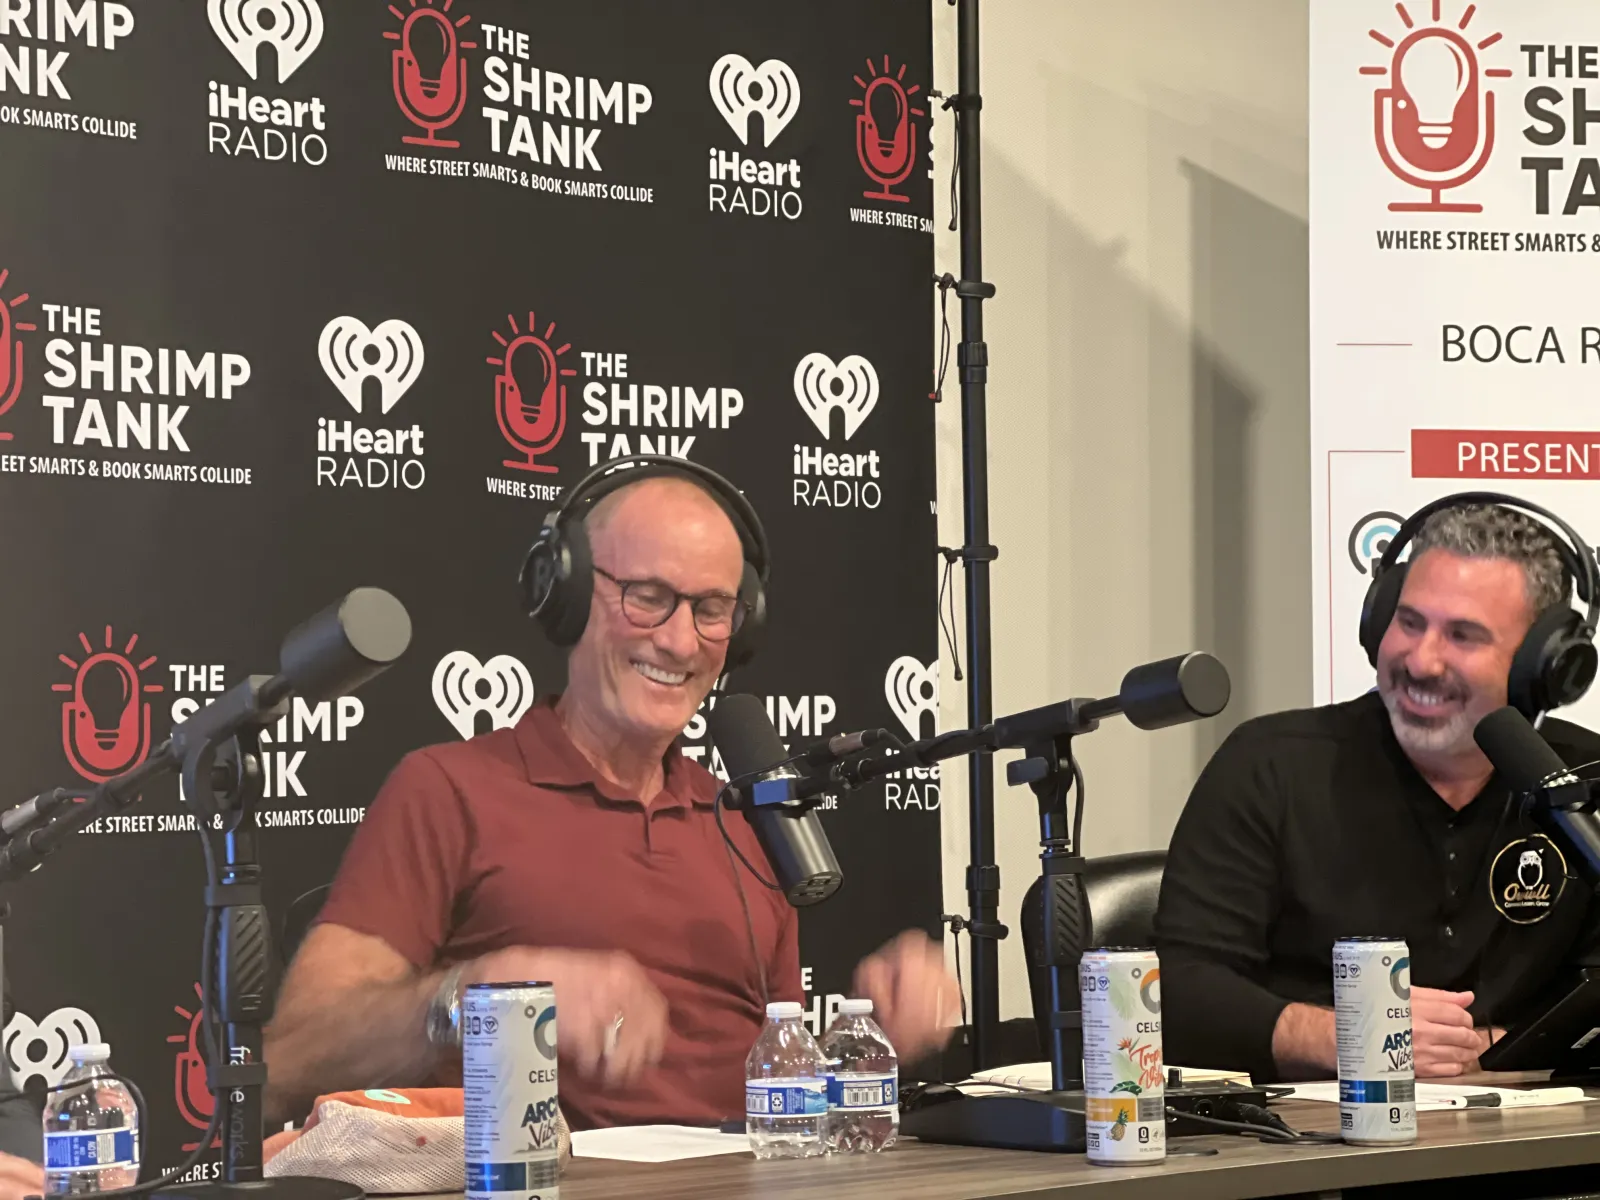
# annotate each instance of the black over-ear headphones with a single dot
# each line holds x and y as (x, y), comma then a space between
(1555, 664)
(557, 576)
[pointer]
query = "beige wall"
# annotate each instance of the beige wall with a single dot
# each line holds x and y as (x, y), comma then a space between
(1145, 221)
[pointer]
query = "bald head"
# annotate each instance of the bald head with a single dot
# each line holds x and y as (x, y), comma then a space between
(647, 498)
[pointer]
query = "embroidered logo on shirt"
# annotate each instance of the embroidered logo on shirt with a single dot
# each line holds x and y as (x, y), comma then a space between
(1526, 879)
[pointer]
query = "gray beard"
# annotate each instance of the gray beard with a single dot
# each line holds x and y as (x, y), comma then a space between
(1452, 737)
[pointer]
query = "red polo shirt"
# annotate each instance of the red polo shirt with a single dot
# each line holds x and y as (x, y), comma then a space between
(512, 839)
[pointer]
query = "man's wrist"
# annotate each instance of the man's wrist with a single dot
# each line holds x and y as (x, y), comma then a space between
(443, 1021)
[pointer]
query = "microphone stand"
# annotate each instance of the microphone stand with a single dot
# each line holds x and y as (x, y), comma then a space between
(217, 754)
(1153, 696)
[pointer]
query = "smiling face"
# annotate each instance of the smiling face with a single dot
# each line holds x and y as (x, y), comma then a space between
(1445, 659)
(645, 684)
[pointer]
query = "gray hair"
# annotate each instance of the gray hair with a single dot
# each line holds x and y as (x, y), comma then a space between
(1493, 531)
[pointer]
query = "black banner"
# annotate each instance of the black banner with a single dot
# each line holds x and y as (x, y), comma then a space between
(298, 295)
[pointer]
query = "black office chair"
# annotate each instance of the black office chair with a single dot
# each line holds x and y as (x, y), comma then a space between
(297, 920)
(1122, 890)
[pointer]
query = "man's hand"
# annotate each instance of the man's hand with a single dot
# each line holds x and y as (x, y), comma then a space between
(19, 1178)
(913, 996)
(593, 988)
(1442, 1037)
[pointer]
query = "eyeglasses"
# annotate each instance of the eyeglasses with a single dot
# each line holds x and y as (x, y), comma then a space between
(650, 603)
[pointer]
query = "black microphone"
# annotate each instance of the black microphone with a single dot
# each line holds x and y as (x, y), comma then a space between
(1531, 768)
(843, 745)
(41, 807)
(791, 835)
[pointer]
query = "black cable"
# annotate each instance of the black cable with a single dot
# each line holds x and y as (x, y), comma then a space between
(950, 554)
(716, 808)
(955, 168)
(945, 282)
(957, 923)
(749, 925)
(1265, 1133)
(1077, 809)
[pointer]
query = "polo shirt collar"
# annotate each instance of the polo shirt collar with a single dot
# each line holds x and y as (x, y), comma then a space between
(551, 760)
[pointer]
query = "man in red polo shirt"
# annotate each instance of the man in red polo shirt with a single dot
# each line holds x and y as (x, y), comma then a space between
(580, 847)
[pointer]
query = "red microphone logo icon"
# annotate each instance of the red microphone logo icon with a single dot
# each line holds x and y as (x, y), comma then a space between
(886, 136)
(105, 722)
(10, 351)
(194, 1099)
(530, 400)
(1434, 123)
(430, 70)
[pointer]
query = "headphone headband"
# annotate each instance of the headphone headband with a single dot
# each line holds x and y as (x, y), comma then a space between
(1578, 557)
(612, 476)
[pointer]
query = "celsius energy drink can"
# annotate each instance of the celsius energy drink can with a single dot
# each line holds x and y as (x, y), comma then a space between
(1372, 1016)
(1124, 1083)
(508, 1077)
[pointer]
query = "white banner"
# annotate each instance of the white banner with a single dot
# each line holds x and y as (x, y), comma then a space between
(1455, 251)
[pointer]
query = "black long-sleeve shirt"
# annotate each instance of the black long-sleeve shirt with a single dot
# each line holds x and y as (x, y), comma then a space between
(1313, 825)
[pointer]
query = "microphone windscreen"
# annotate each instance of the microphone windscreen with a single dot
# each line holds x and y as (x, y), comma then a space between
(743, 734)
(1515, 749)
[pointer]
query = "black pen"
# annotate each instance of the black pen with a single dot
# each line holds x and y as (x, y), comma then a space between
(1483, 1100)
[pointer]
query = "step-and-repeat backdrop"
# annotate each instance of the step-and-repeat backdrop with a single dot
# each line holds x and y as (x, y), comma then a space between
(300, 295)
(1455, 242)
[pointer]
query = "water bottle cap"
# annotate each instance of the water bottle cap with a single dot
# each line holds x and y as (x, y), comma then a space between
(94, 1052)
(855, 1008)
(785, 1008)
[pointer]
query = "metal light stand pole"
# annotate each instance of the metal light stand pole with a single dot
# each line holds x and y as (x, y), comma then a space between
(972, 359)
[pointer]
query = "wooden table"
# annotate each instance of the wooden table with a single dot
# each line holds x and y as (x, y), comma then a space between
(1449, 1145)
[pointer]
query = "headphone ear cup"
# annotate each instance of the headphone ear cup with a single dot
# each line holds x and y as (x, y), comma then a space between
(566, 611)
(1377, 610)
(1554, 665)
(743, 645)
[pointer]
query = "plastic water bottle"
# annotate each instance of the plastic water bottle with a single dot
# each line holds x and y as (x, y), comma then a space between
(863, 1082)
(786, 1087)
(91, 1132)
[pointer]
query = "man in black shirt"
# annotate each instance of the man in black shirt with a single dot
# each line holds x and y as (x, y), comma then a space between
(1379, 816)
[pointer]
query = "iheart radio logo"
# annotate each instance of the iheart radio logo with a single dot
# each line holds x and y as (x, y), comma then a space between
(1434, 122)
(105, 722)
(770, 91)
(821, 385)
(10, 350)
(351, 354)
(293, 28)
(913, 689)
(44, 1050)
(463, 687)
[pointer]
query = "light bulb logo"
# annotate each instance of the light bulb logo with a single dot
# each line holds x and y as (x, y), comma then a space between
(430, 69)
(1434, 123)
(105, 722)
(195, 1102)
(886, 135)
(10, 350)
(530, 399)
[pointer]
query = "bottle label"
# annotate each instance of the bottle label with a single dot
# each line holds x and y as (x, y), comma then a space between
(89, 1150)
(785, 1098)
(863, 1091)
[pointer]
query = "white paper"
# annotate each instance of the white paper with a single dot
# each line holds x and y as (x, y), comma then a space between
(655, 1143)
(1437, 1097)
